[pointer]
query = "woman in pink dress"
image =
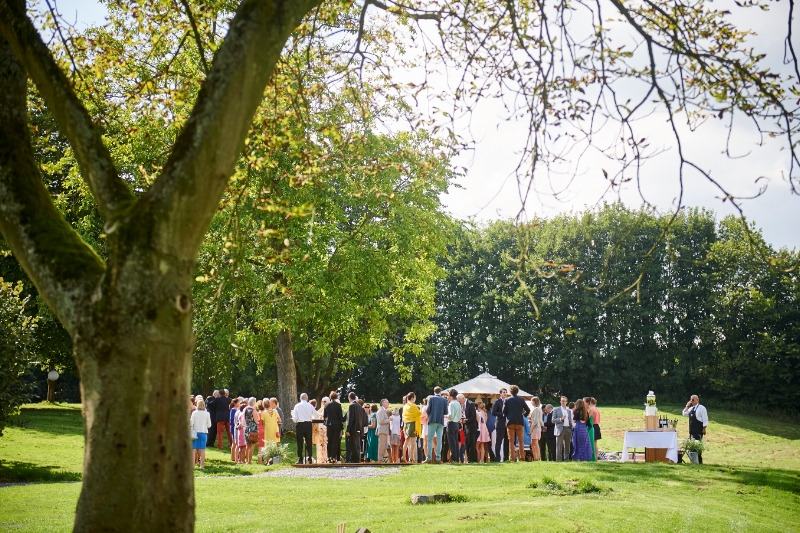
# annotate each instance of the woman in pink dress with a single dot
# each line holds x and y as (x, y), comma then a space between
(241, 439)
(483, 433)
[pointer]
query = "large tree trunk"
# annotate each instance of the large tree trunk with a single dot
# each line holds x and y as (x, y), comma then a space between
(136, 410)
(287, 376)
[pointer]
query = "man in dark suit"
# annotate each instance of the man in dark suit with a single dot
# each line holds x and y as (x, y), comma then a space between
(501, 437)
(470, 428)
(515, 409)
(547, 444)
(212, 431)
(222, 406)
(355, 425)
(334, 422)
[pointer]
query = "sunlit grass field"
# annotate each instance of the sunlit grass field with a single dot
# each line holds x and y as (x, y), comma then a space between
(750, 482)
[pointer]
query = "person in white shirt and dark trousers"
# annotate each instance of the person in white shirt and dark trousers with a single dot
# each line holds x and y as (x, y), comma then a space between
(564, 424)
(698, 420)
(303, 413)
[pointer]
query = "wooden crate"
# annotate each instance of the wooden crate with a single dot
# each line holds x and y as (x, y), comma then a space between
(655, 455)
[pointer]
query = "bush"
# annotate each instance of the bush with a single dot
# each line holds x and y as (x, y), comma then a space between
(14, 350)
(273, 449)
(691, 445)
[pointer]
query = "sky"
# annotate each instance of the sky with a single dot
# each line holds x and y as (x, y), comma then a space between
(488, 189)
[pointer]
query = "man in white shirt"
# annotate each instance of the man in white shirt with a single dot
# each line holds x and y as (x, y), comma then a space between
(564, 425)
(303, 413)
(698, 420)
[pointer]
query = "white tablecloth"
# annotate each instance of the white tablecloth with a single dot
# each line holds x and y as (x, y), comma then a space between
(651, 439)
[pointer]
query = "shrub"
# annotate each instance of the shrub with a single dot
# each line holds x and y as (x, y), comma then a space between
(691, 445)
(273, 449)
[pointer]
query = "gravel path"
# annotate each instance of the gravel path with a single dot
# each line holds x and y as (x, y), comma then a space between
(361, 472)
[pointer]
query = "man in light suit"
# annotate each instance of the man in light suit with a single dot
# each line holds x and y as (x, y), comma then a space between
(562, 417)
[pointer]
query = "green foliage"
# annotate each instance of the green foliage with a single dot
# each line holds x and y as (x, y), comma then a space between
(274, 449)
(692, 445)
(16, 330)
(610, 303)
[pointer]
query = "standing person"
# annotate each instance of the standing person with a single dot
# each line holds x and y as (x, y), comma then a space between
(334, 423)
(698, 420)
(470, 428)
(453, 425)
(280, 413)
(536, 427)
(261, 409)
(250, 429)
(322, 432)
(597, 434)
(483, 434)
(421, 443)
(581, 446)
(384, 431)
(562, 417)
(587, 404)
(200, 422)
(412, 427)
(303, 413)
(491, 420)
(241, 436)
(232, 423)
(394, 437)
(372, 435)
(222, 406)
(353, 430)
(436, 409)
(550, 425)
(365, 425)
(515, 409)
(501, 440)
(272, 422)
(212, 431)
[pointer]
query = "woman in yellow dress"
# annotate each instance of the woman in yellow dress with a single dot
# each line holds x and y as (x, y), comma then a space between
(272, 423)
(412, 420)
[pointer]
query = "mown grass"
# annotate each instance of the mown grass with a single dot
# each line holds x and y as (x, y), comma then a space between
(731, 492)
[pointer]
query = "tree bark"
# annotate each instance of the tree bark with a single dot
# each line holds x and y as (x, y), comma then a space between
(51, 388)
(135, 366)
(287, 376)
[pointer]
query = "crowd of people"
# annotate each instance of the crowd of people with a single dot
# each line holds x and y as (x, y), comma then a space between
(443, 427)
(447, 427)
(247, 422)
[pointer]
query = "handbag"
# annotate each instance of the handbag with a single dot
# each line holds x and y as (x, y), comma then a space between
(194, 434)
(252, 438)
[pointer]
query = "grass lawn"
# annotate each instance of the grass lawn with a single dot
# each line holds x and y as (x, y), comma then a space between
(750, 482)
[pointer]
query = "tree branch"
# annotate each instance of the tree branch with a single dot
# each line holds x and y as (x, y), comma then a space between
(63, 267)
(97, 168)
(197, 39)
(184, 198)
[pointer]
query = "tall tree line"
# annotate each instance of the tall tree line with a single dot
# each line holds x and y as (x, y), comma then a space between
(610, 303)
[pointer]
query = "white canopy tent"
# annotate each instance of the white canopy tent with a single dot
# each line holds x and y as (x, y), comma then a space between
(485, 386)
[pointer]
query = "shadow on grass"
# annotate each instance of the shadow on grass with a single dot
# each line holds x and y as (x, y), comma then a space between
(19, 472)
(54, 420)
(223, 469)
(778, 479)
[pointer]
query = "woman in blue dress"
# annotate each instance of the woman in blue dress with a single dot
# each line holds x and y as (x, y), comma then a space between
(581, 447)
